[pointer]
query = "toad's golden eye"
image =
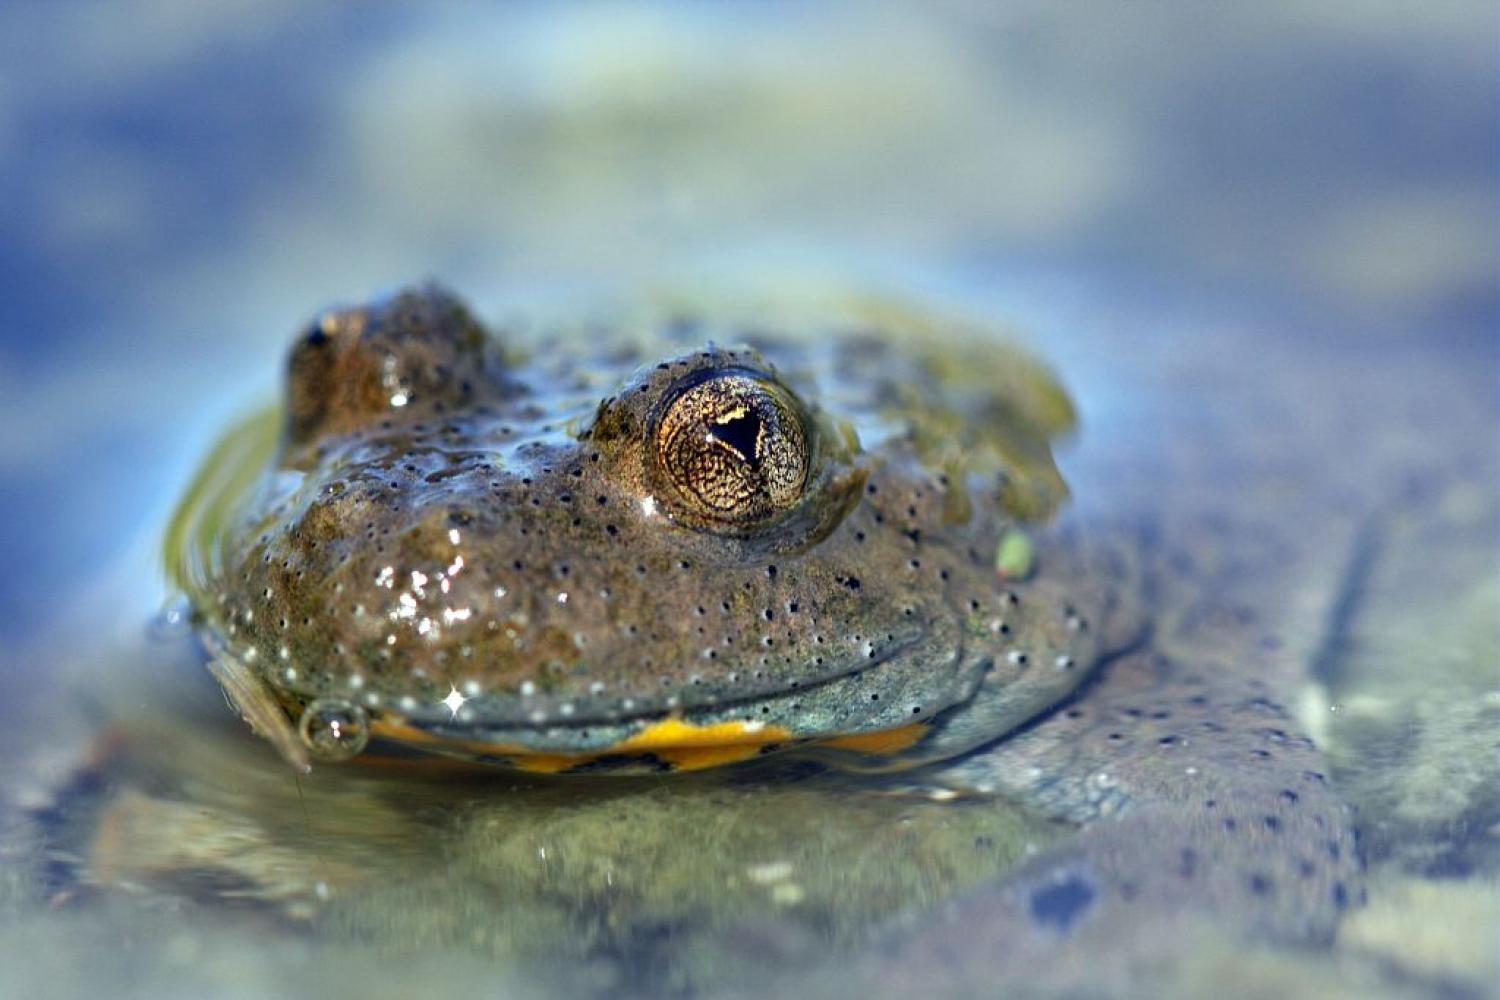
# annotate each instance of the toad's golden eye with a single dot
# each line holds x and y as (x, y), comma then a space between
(733, 447)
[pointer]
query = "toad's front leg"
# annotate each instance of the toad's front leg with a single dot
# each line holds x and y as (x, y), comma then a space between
(1202, 811)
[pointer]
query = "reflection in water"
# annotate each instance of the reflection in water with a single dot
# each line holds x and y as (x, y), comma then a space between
(649, 883)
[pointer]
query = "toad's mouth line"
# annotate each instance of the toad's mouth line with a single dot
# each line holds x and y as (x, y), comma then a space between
(542, 712)
(837, 707)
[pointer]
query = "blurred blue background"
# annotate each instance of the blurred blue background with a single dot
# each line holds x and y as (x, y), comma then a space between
(185, 182)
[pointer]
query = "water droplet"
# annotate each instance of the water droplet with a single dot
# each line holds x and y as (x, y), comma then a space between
(173, 621)
(334, 729)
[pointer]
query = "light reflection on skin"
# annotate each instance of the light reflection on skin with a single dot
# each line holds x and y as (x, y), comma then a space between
(454, 701)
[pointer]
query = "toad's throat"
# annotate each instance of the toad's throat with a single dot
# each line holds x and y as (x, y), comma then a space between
(855, 709)
(669, 744)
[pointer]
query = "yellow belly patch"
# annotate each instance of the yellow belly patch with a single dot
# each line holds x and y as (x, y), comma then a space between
(683, 746)
(884, 741)
(670, 734)
(689, 747)
(400, 731)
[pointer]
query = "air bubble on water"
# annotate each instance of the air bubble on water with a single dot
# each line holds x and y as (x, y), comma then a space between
(173, 621)
(334, 729)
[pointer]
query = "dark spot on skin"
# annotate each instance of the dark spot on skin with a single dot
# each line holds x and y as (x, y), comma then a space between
(1340, 895)
(1268, 706)
(1273, 824)
(1061, 904)
(529, 489)
(1260, 884)
(1288, 796)
(1187, 863)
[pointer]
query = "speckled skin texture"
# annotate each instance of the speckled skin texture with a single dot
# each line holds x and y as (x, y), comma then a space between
(1205, 815)
(438, 520)
(503, 534)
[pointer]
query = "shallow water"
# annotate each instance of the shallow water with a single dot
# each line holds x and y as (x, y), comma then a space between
(1311, 284)
(149, 832)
